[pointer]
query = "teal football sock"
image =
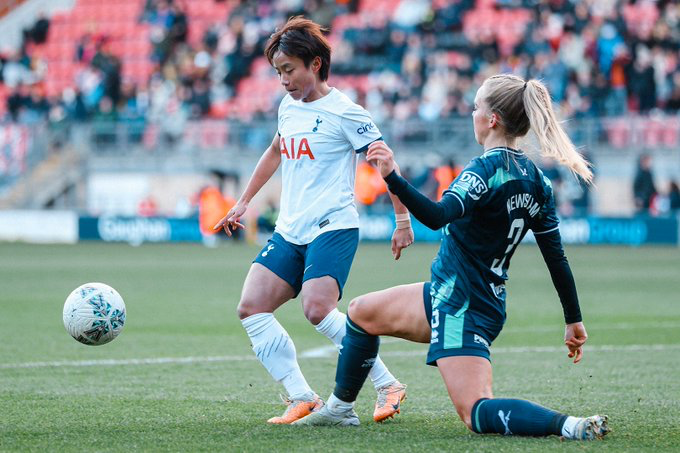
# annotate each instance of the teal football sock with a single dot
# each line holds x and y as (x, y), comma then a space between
(514, 416)
(357, 355)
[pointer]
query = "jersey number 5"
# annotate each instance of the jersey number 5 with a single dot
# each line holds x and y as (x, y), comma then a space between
(514, 234)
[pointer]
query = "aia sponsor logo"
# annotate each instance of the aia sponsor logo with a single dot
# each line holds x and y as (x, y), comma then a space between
(291, 152)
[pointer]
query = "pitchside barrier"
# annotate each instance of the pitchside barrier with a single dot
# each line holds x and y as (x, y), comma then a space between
(582, 230)
(69, 227)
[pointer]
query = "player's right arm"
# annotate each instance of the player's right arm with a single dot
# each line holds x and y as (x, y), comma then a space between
(266, 167)
(432, 214)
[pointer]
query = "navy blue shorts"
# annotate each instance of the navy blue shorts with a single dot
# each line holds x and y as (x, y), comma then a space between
(329, 254)
(457, 331)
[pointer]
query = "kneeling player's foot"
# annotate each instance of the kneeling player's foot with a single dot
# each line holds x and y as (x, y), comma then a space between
(389, 401)
(298, 408)
(324, 417)
(591, 428)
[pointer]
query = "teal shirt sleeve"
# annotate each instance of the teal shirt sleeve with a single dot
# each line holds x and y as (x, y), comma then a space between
(471, 185)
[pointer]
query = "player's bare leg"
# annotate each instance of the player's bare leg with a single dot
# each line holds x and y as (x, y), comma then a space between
(319, 298)
(390, 391)
(264, 292)
(403, 306)
(468, 381)
(397, 312)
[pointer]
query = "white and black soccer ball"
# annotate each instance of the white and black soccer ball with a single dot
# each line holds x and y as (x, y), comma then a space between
(94, 314)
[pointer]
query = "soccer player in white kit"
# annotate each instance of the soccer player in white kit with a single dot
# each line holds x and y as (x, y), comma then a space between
(320, 134)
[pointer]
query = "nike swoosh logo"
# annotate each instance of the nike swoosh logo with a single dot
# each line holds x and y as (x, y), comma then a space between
(307, 268)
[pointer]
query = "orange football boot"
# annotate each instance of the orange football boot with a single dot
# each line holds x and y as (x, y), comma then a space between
(297, 409)
(389, 401)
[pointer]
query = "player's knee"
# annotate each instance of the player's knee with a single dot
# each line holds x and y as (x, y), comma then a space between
(316, 309)
(359, 310)
(247, 307)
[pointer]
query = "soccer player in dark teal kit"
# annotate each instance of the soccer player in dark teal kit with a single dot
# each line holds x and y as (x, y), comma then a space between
(485, 213)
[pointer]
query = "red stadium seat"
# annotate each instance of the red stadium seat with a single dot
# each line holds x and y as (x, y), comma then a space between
(659, 131)
(261, 67)
(137, 70)
(213, 134)
(83, 13)
(670, 133)
(4, 93)
(150, 138)
(130, 11)
(59, 51)
(219, 110)
(485, 4)
(378, 6)
(618, 132)
(52, 88)
(342, 22)
(117, 47)
(651, 132)
(60, 69)
(640, 16)
(136, 47)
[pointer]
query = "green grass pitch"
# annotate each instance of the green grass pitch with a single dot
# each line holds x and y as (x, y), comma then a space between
(182, 376)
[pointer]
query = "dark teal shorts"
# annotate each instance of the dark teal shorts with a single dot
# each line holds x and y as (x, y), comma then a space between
(456, 331)
(330, 254)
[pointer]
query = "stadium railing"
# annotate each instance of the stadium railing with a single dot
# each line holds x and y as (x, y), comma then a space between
(633, 133)
(22, 147)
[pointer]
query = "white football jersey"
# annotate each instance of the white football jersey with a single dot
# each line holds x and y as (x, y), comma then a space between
(319, 143)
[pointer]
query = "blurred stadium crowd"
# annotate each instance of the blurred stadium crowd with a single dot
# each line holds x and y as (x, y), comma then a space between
(165, 61)
(193, 72)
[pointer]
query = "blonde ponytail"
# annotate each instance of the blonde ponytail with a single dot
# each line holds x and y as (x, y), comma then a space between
(524, 105)
(553, 140)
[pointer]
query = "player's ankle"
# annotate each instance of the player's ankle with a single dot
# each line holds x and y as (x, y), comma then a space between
(336, 405)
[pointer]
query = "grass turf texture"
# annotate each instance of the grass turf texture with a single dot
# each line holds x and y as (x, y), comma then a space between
(181, 303)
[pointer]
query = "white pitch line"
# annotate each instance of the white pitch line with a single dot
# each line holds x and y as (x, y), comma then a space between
(330, 353)
(327, 351)
(116, 362)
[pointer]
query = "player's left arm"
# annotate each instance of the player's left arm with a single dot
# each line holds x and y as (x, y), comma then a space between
(575, 337)
(545, 226)
(575, 334)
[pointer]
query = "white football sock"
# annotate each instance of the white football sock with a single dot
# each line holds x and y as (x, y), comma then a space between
(334, 327)
(338, 406)
(275, 350)
(569, 426)
(380, 375)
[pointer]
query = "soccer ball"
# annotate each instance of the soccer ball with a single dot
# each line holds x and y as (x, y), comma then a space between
(94, 314)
